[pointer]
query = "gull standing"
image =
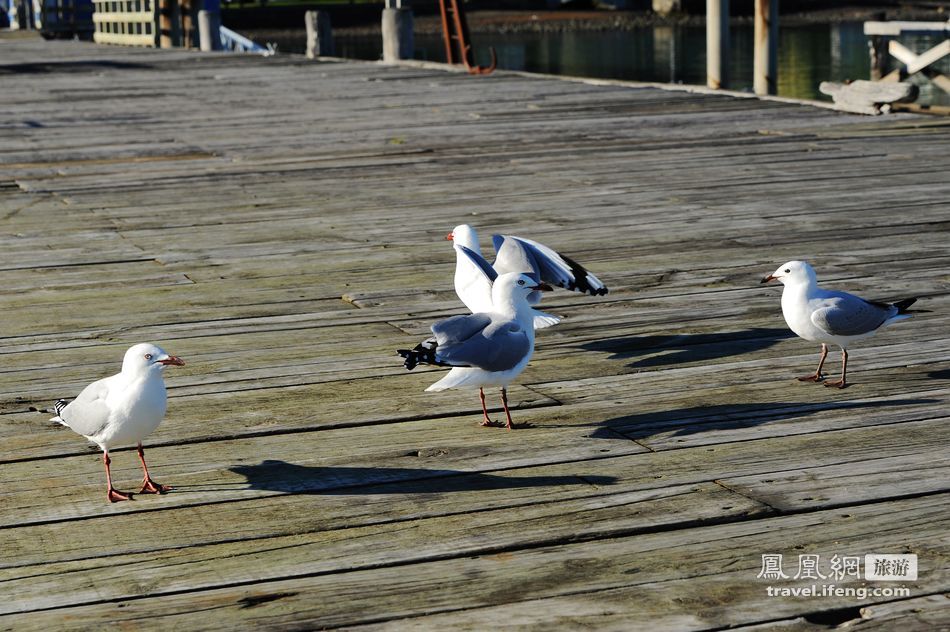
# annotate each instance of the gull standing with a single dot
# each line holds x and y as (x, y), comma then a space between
(474, 275)
(486, 348)
(123, 409)
(830, 316)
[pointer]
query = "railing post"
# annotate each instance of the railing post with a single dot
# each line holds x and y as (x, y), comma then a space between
(765, 68)
(166, 23)
(717, 43)
(209, 26)
(319, 34)
(397, 32)
(877, 47)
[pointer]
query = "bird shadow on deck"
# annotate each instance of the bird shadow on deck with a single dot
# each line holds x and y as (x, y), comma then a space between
(939, 375)
(280, 476)
(683, 348)
(697, 419)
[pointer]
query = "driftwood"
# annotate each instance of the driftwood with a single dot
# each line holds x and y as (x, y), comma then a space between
(868, 97)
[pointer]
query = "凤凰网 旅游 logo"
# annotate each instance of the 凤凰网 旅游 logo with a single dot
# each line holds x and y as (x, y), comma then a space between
(877, 567)
(883, 567)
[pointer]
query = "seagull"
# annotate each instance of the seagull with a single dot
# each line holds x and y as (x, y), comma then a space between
(489, 348)
(474, 275)
(123, 409)
(830, 316)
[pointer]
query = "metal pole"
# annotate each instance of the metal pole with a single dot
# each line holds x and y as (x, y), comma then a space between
(397, 31)
(209, 30)
(319, 34)
(717, 43)
(765, 72)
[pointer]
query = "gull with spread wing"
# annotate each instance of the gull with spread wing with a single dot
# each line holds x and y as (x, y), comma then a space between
(474, 276)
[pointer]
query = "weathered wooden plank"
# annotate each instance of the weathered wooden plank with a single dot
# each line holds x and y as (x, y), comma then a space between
(423, 494)
(919, 613)
(313, 463)
(202, 567)
(657, 568)
(909, 474)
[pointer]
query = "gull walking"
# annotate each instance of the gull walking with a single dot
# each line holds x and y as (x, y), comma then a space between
(830, 316)
(486, 348)
(123, 409)
(474, 276)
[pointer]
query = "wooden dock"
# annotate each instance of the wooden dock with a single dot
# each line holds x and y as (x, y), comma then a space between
(280, 224)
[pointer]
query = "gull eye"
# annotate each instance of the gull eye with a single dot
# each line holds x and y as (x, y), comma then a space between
(788, 270)
(148, 356)
(520, 281)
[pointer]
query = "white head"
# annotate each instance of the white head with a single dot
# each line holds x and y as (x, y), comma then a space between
(513, 288)
(145, 358)
(793, 273)
(464, 235)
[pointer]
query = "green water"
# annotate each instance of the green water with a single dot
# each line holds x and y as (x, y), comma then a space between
(808, 55)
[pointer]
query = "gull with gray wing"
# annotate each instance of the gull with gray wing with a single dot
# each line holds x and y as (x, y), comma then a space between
(122, 410)
(830, 316)
(488, 348)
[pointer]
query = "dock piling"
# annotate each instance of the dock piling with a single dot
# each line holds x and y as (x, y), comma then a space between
(397, 32)
(319, 34)
(209, 30)
(717, 43)
(765, 69)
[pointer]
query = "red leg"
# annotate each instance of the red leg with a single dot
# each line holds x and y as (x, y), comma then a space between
(844, 370)
(504, 402)
(148, 485)
(817, 376)
(487, 420)
(113, 494)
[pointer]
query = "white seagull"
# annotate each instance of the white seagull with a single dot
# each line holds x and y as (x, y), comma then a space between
(486, 348)
(830, 316)
(474, 275)
(123, 409)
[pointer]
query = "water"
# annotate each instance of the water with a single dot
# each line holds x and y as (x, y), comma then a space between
(808, 55)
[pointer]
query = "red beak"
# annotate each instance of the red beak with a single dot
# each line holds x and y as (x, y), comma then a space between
(768, 278)
(450, 236)
(172, 360)
(544, 287)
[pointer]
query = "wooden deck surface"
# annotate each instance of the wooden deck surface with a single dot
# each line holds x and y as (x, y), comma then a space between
(280, 225)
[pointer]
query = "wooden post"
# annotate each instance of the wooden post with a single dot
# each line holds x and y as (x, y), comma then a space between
(397, 32)
(166, 11)
(664, 52)
(765, 70)
(319, 34)
(187, 16)
(877, 47)
(209, 30)
(717, 43)
(667, 7)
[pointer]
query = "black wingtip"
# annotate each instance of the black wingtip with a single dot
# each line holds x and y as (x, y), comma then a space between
(902, 305)
(423, 353)
(412, 359)
(60, 405)
(581, 284)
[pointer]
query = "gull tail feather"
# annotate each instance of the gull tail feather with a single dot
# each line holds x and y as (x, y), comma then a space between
(543, 319)
(58, 409)
(458, 376)
(422, 353)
